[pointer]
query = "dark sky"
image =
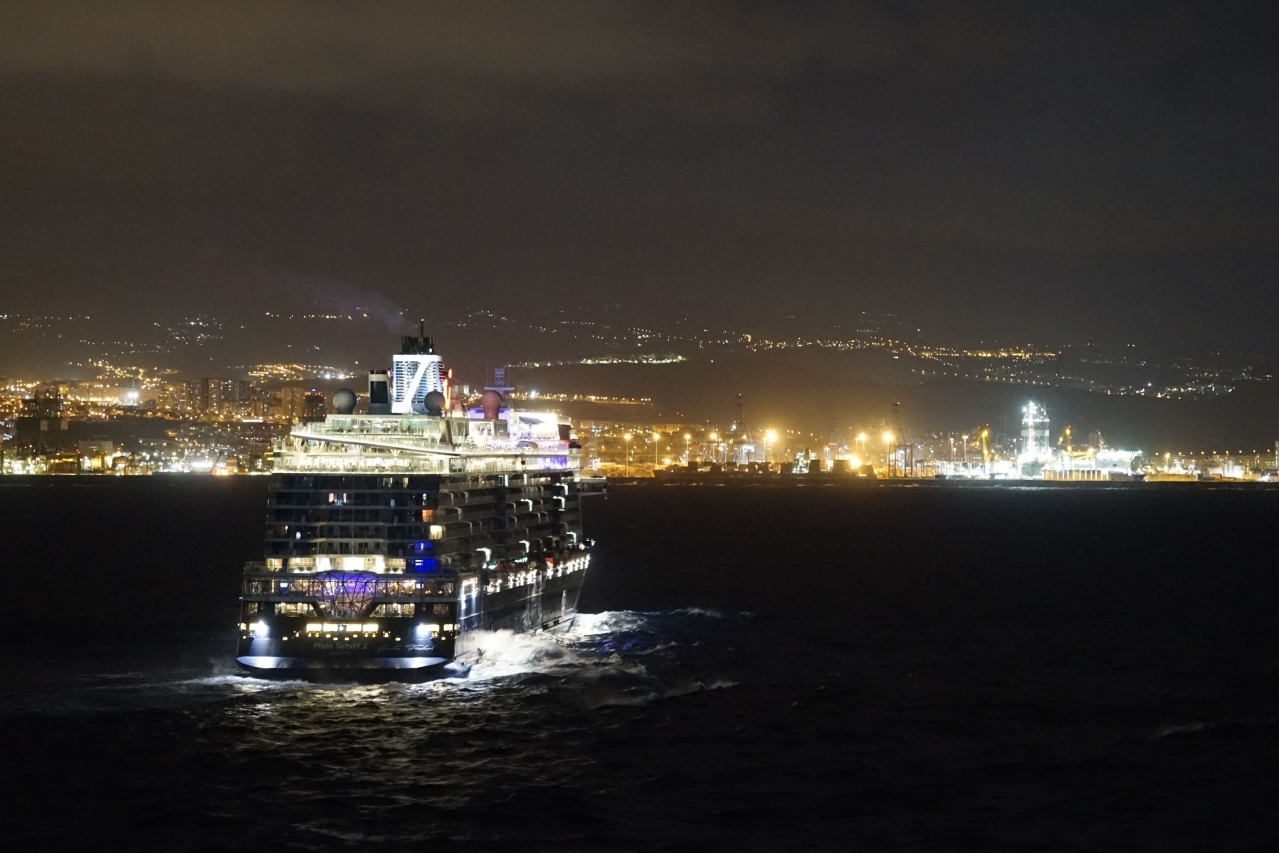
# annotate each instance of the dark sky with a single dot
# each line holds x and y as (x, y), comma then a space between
(1063, 171)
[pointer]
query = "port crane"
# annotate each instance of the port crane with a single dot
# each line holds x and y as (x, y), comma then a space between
(1066, 438)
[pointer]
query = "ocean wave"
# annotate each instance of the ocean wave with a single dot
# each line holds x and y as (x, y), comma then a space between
(506, 653)
(698, 611)
(641, 699)
(1188, 728)
(244, 682)
(607, 622)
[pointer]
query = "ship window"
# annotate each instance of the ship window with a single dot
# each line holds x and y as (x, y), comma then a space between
(428, 515)
(393, 611)
(437, 531)
(440, 609)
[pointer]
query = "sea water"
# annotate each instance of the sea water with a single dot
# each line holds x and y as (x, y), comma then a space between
(807, 668)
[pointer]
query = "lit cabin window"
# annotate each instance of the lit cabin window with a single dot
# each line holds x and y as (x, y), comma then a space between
(437, 531)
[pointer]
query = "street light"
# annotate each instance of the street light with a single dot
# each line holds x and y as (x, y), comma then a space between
(657, 436)
(687, 438)
(769, 437)
(627, 436)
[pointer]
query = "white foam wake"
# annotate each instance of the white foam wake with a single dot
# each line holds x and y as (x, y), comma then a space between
(506, 653)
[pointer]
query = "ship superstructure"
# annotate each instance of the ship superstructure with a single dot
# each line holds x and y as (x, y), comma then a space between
(394, 539)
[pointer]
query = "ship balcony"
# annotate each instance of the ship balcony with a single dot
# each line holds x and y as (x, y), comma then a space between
(455, 530)
(452, 515)
(451, 499)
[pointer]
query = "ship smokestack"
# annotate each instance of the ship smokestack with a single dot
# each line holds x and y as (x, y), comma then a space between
(379, 393)
(421, 345)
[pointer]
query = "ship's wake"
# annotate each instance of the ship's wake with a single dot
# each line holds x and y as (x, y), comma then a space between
(615, 658)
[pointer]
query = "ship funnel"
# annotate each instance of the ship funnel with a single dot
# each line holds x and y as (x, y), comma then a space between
(491, 403)
(421, 345)
(379, 394)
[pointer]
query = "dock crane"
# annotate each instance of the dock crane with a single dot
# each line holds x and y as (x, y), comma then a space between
(901, 459)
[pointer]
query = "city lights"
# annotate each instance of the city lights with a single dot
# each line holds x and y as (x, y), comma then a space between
(225, 425)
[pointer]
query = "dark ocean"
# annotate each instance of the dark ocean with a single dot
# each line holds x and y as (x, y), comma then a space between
(873, 667)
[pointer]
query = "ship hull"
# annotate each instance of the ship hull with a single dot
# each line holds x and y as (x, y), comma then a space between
(357, 671)
(546, 605)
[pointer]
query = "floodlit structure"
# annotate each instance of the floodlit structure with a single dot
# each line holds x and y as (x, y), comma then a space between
(1093, 464)
(734, 447)
(1035, 446)
(741, 446)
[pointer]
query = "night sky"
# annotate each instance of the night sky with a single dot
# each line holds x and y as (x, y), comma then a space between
(1063, 172)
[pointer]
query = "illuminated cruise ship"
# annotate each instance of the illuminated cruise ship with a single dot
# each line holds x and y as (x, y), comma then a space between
(394, 537)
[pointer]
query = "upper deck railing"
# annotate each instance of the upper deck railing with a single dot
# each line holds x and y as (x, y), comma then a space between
(422, 445)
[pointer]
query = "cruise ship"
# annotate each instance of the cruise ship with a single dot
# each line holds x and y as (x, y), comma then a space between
(394, 538)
